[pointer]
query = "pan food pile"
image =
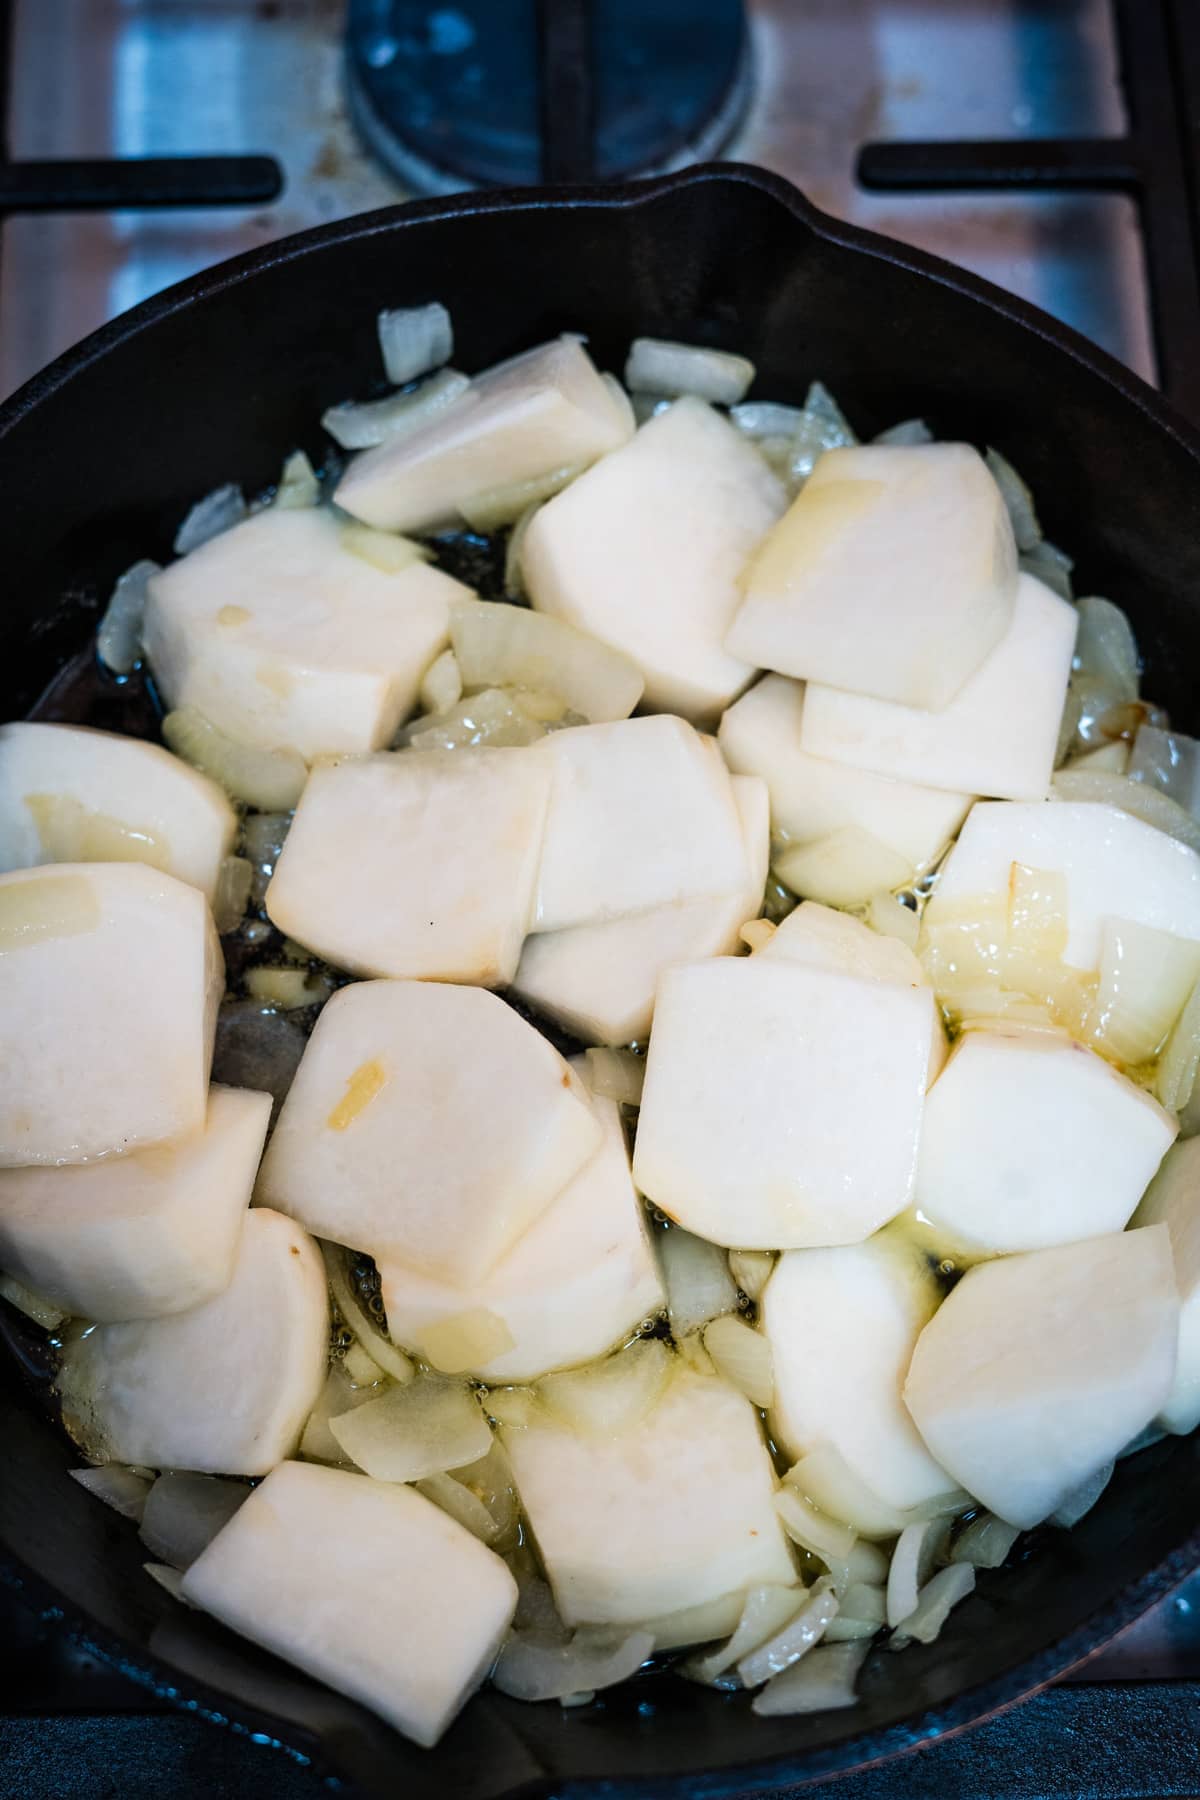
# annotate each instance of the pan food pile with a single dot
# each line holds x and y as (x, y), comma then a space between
(784, 780)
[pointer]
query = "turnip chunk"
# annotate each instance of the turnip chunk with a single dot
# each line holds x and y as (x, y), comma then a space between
(1116, 868)
(641, 814)
(429, 1125)
(544, 410)
(364, 1584)
(644, 552)
(811, 798)
(285, 639)
(670, 1512)
(70, 794)
(600, 980)
(1173, 1199)
(1031, 1140)
(223, 1388)
(580, 1279)
(417, 863)
(1038, 1369)
(998, 735)
(782, 1103)
(133, 1236)
(842, 1324)
(893, 573)
(110, 975)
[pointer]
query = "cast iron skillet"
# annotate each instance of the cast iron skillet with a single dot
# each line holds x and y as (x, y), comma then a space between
(216, 380)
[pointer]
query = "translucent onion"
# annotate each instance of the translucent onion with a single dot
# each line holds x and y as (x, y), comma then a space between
(361, 424)
(742, 1356)
(696, 1274)
(1146, 977)
(1169, 761)
(1112, 758)
(298, 485)
(751, 1269)
(288, 989)
(888, 915)
(120, 1487)
(219, 511)
(414, 339)
(461, 1504)
(119, 635)
(235, 878)
(845, 1630)
(358, 1320)
(865, 1565)
(503, 505)
(606, 1398)
(765, 1611)
(907, 433)
(263, 836)
(361, 1366)
(465, 1341)
(814, 1530)
(661, 366)
(408, 1433)
(184, 1512)
(502, 717)
(796, 1638)
(823, 1682)
(509, 646)
(272, 780)
(1106, 648)
(823, 426)
(1080, 1501)
(512, 1406)
(490, 1481)
(756, 934)
(1051, 565)
(986, 1542)
(1180, 1059)
(917, 1549)
(1146, 803)
(540, 1667)
(441, 685)
(1017, 499)
(1153, 1434)
(701, 1624)
(759, 419)
(938, 1598)
(864, 1601)
(386, 551)
(844, 869)
(514, 583)
(616, 1075)
(46, 1313)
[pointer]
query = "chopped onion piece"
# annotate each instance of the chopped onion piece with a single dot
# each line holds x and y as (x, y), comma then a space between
(1167, 760)
(811, 1528)
(263, 836)
(1081, 1500)
(865, 1565)
(986, 1542)
(938, 1597)
(917, 1549)
(756, 934)
(888, 915)
(453, 1498)
(1145, 803)
(1180, 1059)
(46, 1313)
(765, 1611)
(235, 878)
(823, 426)
(339, 1395)
(358, 1320)
(514, 583)
(298, 484)
(119, 636)
(118, 1486)
(766, 419)
(864, 1601)
(844, 1630)
(844, 869)
(270, 779)
(219, 511)
(441, 685)
(361, 1366)
(1153, 1434)
(906, 434)
(288, 989)
(1051, 565)
(361, 424)
(384, 550)
(798, 1636)
(1106, 648)
(1145, 979)
(171, 1579)
(465, 1341)
(701, 1624)
(661, 366)
(823, 1682)
(540, 1667)
(1112, 758)
(415, 339)
(513, 1406)
(742, 1356)
(751, 1269)
(502, 717)
(699, 1285)
(490, 1481)
(606, 1398)
(503, 505)
(410, 1432)
(616, 1075)
(1018, 501)
(508, 646)
(184, 1512)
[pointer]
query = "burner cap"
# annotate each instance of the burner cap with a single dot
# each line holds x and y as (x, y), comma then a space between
(451, 96)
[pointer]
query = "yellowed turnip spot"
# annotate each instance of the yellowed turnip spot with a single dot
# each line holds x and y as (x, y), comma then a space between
(361, 1089)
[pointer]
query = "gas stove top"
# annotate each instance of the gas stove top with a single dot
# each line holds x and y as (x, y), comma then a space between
(919, 118)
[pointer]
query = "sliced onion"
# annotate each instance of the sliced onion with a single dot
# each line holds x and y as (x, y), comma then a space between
(456, 1500)
(509, 646)
(1106, 648)
(503, 505)
(823, 1682)
(742, 1356)
(917, 1549)
(797, 1637)
(696, 1274)
(386, 551)
(1169, 761)
(1112, 758)
(1180, 1059)
(1052, 566)
(1145, 803)
(46, 1313)
(864, 1565)
(414, 339)
(616, 1075)
(407, 1433)
(938, 1598)
(171, 1579)
(751, 1269)
(502, 717)
(701, 1624)
(759, 419)
(844, 869)
(218, 512)
(235, 878)
(1146, 977)
(119, 636)
(514, 583)
(986, 1542)
(337, 1397)
(120, 1487)
(263, 836)
(845, 1630)
(358, 1320)
(514, 1407)
(661, 366)
(814, 1530)
(756, 934)
(864, 1601)
(906, 434)
(606, 1398)
(298, 484)
(288, 989)
(465, 1341)
(765, 1611)
(361, 1366)
(1018, 501)
(441, 685)
(361, 424)
(540, 1667)
(1080, 1501)
(823, 426)
(888, 915)
(184, 1512)
(270, 779)
(490, 1481)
